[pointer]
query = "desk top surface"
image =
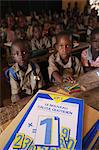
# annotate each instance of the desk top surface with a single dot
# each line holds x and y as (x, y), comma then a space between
(81, 46)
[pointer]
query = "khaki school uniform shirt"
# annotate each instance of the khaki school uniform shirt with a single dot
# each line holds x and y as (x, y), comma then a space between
(56, 64)
(43, 43)
(26, 81)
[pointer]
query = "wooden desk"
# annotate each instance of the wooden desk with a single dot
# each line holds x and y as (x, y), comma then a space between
(75, 51)
(81, 47)
(39, 59)
(90, 97)
(88, 121)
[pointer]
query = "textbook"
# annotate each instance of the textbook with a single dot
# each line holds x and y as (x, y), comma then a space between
(52, 122)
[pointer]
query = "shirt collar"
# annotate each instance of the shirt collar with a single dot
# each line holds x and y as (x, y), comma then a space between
(17, 69)
(29, 69)
(59, 61)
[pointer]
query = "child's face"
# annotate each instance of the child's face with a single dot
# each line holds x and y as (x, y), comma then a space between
(91, 23)
(58, 29)
(20, 54)
(10, 22)
(37, 33)
(46, 26)
(64, 47)
(18, 34)
(95, 42)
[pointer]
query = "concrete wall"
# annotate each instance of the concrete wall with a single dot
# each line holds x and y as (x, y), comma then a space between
(81, 3)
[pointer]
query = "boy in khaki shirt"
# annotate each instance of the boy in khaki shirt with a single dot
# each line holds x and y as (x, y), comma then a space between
(29, 78)
(62, 66)
(39, 42)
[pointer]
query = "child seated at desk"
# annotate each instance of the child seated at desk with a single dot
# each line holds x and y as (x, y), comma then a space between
(90, 56)
(39, 42)
(63, 66)
(9, 31)
(27, 77)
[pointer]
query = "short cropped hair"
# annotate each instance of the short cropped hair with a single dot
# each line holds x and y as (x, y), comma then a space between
(95, 31)
(61, 35)
(36, 26)
(21, 41)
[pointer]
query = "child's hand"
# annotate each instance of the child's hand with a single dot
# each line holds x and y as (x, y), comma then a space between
(70, 79)
(95, 63)
(84, 58)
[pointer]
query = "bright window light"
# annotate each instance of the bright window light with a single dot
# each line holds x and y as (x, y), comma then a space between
(94, 4)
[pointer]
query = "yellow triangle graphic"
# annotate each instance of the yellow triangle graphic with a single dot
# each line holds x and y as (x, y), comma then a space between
(58, 98)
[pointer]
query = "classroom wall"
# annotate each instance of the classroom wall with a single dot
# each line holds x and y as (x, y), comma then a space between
(81, 3)
(29, 5)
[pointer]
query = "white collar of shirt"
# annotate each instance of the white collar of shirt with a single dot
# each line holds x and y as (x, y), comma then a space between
(59, 61)
(17, 69)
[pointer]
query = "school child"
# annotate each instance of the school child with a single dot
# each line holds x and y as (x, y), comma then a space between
(90, 28)
(39, 42)
(24, 76)
(9, 32)
(90, 56)
(20, 34)
(58, 29)
(63, 66)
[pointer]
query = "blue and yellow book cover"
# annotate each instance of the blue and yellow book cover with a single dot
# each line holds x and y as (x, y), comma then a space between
(52, 122)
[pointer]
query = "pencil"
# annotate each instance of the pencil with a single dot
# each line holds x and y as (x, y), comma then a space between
(73, 86)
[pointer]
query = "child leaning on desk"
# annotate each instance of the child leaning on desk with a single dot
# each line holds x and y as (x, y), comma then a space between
(63, 67)
(25, 77)
(90, 56)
